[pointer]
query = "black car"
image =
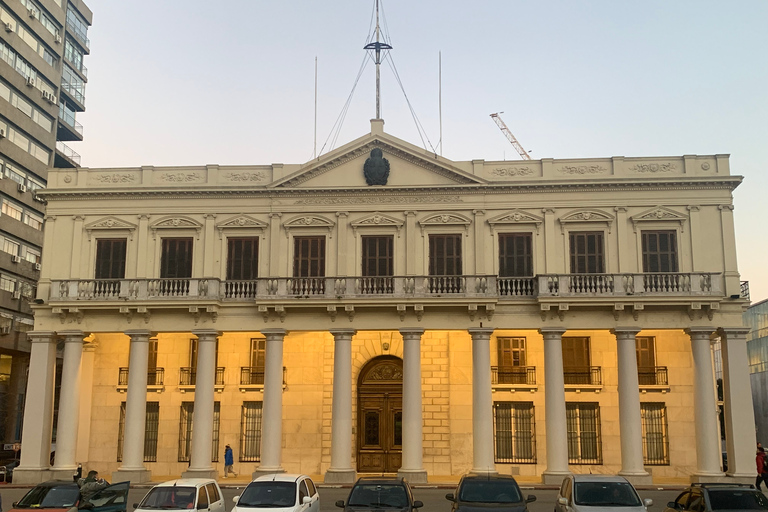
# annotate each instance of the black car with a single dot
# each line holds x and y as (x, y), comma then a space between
(380, 492)
(712, 497)
(477, 493)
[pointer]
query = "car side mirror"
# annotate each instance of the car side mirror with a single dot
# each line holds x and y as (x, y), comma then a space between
(306, 500)
(135, 505)
(340, 503)
(234, 500)
(530, 498)
(417, 504)
(450, 497)
(673, 505)
(562, 501)
(647, 502)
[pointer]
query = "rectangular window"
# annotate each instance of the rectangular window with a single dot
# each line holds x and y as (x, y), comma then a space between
(378, 258)
(176, 259)
(10, 246)
(577, 367)
(185, 431)
(515, 255)
(511, 360)
(659, 251)
(11, 210)
(110, 258)
(583, 424)
(514, 431)
(250, 432)
(587, 253)
(309, 256)
(655, 442)
(34, 221)
(242, 259)
(151, 425)
(445, 255)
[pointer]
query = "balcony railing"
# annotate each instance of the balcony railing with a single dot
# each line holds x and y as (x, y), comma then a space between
(68, 152)
(652, 376)
(745, 290)
(525, 375)
(187, 376)
(75, 91)
(401, 287)
(155, 377)
(584, 375)
(254, 375)
(70, 120)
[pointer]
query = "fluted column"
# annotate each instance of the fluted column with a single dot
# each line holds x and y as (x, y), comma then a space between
(272, 408)
(38, 410)
(341, 470)
(554, 407)
(132, 467)
(708, 451)
(413, 420)
(201, 445)
(630, 419)
(482, 402)
(69, 405)
(737, 401)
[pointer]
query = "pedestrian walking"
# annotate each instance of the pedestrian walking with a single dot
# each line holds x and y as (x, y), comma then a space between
(762, 469)
(229, 462)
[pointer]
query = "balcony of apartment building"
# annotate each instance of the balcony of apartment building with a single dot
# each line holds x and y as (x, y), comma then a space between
(68, 129)
(65, 156)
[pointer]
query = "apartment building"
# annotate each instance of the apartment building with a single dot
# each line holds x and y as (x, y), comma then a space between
(42, 88)
(384, 309)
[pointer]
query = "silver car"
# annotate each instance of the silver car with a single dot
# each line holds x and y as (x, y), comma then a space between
(599, 493)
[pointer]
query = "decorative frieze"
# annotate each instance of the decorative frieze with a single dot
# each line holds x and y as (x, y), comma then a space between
(246, 176)
(180, 177)
(653, 168)
(582, 169)
(512, 171)
(379, 199)
(116, 177)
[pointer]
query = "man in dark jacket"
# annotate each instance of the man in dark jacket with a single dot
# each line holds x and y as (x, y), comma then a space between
(229, 462)
(91, 484)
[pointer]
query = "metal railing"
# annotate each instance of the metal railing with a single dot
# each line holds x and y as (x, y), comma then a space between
(254, 375)
(652, 376)
(67, 152)
(188, 376)
(513, 375)
(70, 120)
(745, 290)
(587, 375)
(73, 90)
(155, 377)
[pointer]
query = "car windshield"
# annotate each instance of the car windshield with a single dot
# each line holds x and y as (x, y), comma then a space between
(605, 494)
(489, 491)
(170, 498)
(742, 500)
(48, 496)
(267, 494)
(378, 495)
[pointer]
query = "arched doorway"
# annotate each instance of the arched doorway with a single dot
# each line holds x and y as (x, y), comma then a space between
(380, 415)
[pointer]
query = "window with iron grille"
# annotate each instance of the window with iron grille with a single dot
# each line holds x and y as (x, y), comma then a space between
(445, 255)
(185, 431)
(659, 251)
(250, 432)
(378, 260)
(587, 253)
(309, 256)
(583, 423)
(515, 255)
(176, 258)
(514, 432)
(655, 441)
(110, 258)
(242, 258)
(151, 424)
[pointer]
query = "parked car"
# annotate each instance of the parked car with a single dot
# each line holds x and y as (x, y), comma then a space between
(710, 497)
(183, 494)
(579, 493)
(62, 495)
(286, 492)
(489, 493)
(6, 470)
(377, 492)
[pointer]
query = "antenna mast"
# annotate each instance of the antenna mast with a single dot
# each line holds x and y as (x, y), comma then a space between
(378, 46)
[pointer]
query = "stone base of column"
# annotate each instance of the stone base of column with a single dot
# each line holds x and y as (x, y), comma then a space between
(261, 471)
(483, 472)
(414, 476)
(731, 479)
(61, 473)
(135, 476)
(200, 473)
(717, 478)
(638, 479)
(553, 477)
(340, 476)
(34, 476)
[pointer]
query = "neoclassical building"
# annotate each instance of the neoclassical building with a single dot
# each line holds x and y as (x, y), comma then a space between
(385, 309)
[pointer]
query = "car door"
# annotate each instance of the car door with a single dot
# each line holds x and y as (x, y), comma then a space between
(315, 505)
(215, 500)
(113, 498)
(682, 501)
(565, 492)
(202, 499)
(696, 503)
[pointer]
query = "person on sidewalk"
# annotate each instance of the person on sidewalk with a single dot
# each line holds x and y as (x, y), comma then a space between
(762, 470)
(229, 462)
(91, 484)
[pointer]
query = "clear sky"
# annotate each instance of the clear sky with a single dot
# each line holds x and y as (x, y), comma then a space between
(191, 82)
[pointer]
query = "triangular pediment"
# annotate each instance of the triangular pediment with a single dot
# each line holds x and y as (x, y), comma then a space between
(659, 214)
(377, 220)
(176, 222)
(241, 221)
(587, 215)
(111, 224)
(516, 217)
(407, 166)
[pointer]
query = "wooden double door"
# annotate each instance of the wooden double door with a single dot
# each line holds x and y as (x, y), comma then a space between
(380, 416)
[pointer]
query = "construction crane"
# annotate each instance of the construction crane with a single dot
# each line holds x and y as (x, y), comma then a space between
(523, 153)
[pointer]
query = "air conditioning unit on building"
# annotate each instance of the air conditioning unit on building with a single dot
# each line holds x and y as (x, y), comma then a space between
(15, 258)
(57, 38)
(50, 98)
(6, 329)
(9, 27)
(2, 133)
(17, 294)
(38, 266)
(32, 13)
(22, 187)
(31, 81)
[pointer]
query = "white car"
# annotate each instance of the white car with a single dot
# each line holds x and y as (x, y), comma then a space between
(184, 494)
(599, 493)
(279, 493)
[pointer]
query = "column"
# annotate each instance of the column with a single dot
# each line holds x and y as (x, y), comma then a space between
(413, 420)
(554, 407)
(69, 406)
(77, 246)
(630, 420)
(708, 453)
(38, 410)
(731, 284)
(482, 402)
(272, 408)
(275, 254)
(344, 264)
(737, 400)
(201, 445)
(142, 247)
(209, 245)
(552, 265)
(132, 467)
(341, 470)
(86, 402)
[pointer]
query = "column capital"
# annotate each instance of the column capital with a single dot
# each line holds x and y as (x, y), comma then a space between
(72, 336)
(731, 332)
(481, 331)
(138, 335)
(342, 332)
(41, 336)
(272, 333)
(552, 331)
(206, 333)
(411, 332)
(624, 332)
(699, 331)
(91, 346)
